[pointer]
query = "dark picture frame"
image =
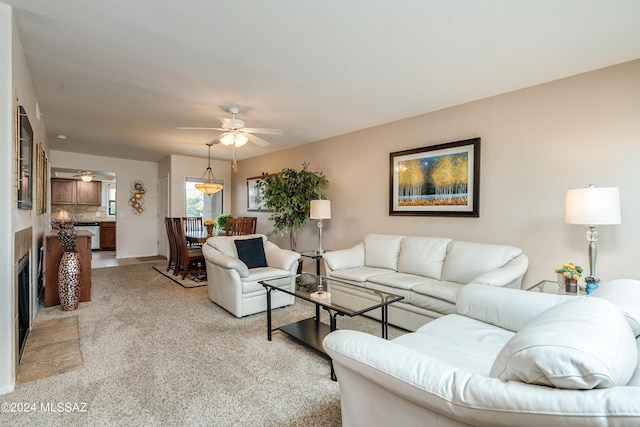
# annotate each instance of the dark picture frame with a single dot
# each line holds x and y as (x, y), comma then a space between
(439, 180)
(24, 156)
(42, 166)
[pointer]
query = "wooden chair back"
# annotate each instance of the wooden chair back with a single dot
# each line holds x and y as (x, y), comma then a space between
(241, 226)
(173, 248)
(192, 223)
(186, 255)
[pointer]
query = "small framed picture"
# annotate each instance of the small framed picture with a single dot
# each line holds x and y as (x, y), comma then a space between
(439, 180)
(254, 194)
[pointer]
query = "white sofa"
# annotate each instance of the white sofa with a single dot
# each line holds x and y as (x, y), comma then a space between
(234, 286)
(427, 271)
(506, 358)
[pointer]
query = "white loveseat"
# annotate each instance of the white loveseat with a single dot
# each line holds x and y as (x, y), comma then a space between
(427, 271)
(506, 358)
(234, 286)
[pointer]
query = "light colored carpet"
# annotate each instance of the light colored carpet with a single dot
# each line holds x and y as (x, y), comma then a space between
(157, 354)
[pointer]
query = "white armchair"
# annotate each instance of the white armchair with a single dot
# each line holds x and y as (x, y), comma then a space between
(233, 285)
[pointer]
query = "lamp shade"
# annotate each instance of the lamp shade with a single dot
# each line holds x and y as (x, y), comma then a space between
(320, 209)
(593, 206)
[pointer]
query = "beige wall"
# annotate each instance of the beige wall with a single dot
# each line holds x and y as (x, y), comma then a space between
(536, 144)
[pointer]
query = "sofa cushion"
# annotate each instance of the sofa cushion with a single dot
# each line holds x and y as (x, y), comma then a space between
(423, 256)
(357, 275)
(465, 260)
(447, 338)
(581, 344)
(251, 252)
(396, 280)
(447, 291)
(624, 294)
(426, 302)
(382, 251)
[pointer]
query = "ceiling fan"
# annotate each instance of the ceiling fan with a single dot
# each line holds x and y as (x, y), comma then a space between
(235, 133)
(88, 176)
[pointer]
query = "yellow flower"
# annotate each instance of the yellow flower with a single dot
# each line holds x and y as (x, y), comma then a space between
(575, 277)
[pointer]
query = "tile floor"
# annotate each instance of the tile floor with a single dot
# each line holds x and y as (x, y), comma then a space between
(101, 259)
(53, 347)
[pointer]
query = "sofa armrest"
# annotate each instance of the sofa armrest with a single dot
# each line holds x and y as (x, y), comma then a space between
(344, 258)
(280, 258)
(506, 308)
(509, 275)
(417, 389)
(225, 261)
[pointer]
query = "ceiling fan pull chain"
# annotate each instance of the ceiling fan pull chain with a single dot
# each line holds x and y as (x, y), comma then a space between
(235, 164)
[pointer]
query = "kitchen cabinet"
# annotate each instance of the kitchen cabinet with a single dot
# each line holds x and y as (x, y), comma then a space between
(108, 236)
(52, 262)
(75, 192)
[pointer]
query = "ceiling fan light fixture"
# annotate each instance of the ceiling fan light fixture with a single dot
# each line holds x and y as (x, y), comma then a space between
(87, 177)
(234, 138)
(208, 183)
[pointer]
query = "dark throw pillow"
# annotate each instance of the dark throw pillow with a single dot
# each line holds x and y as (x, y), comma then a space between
(251, 252)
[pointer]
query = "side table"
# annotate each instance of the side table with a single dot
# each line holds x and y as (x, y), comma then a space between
(553, 287)
(313, 255)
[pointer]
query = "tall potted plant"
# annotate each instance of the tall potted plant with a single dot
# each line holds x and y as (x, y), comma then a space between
(288, 194)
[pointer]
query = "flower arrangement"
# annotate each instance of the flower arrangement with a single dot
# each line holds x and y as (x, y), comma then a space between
(570, 271)
(209, 224)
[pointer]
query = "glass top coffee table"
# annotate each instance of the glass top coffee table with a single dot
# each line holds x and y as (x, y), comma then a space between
(336, 297)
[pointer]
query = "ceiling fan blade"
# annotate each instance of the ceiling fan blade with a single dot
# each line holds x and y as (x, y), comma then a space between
(264, 130)
(258, 141)
(226, 122)
(198, 128)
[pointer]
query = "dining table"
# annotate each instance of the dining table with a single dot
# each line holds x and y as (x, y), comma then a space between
(197, 236)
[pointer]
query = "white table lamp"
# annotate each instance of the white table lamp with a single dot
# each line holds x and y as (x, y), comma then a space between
(592, 207)
(320, 210)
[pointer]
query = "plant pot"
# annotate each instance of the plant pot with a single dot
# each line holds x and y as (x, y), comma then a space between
(69, 276)
(571, 286)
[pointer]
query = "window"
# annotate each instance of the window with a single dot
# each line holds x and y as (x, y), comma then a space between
(111, 197)
(199, 204)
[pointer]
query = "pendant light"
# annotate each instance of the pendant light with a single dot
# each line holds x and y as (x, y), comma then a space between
(208, 184)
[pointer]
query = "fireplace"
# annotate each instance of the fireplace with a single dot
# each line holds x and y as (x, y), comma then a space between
(24, 304)
(22, 282)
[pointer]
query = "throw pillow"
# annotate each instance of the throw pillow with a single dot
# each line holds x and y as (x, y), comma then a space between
(581, 344)
(251, 252)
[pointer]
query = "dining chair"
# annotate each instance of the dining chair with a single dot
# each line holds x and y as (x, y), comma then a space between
(190, 259)
(173, 248)
(241, 226)
(192, 224)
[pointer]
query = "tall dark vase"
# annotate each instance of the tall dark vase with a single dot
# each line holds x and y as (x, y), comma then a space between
(69, 275)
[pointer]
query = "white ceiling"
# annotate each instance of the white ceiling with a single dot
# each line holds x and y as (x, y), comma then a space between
(117, 77)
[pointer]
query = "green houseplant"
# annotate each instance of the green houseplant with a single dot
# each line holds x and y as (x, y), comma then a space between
(221, 221)
(288, 194)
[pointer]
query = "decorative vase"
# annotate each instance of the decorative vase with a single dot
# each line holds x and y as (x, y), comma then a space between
(69, 275)
(209, 230)
(570, 286)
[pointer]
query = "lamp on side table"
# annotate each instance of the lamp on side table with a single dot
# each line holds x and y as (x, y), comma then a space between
(320, 210)
(593, 206)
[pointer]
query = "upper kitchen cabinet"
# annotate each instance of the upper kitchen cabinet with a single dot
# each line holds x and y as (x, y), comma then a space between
(75, 192)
